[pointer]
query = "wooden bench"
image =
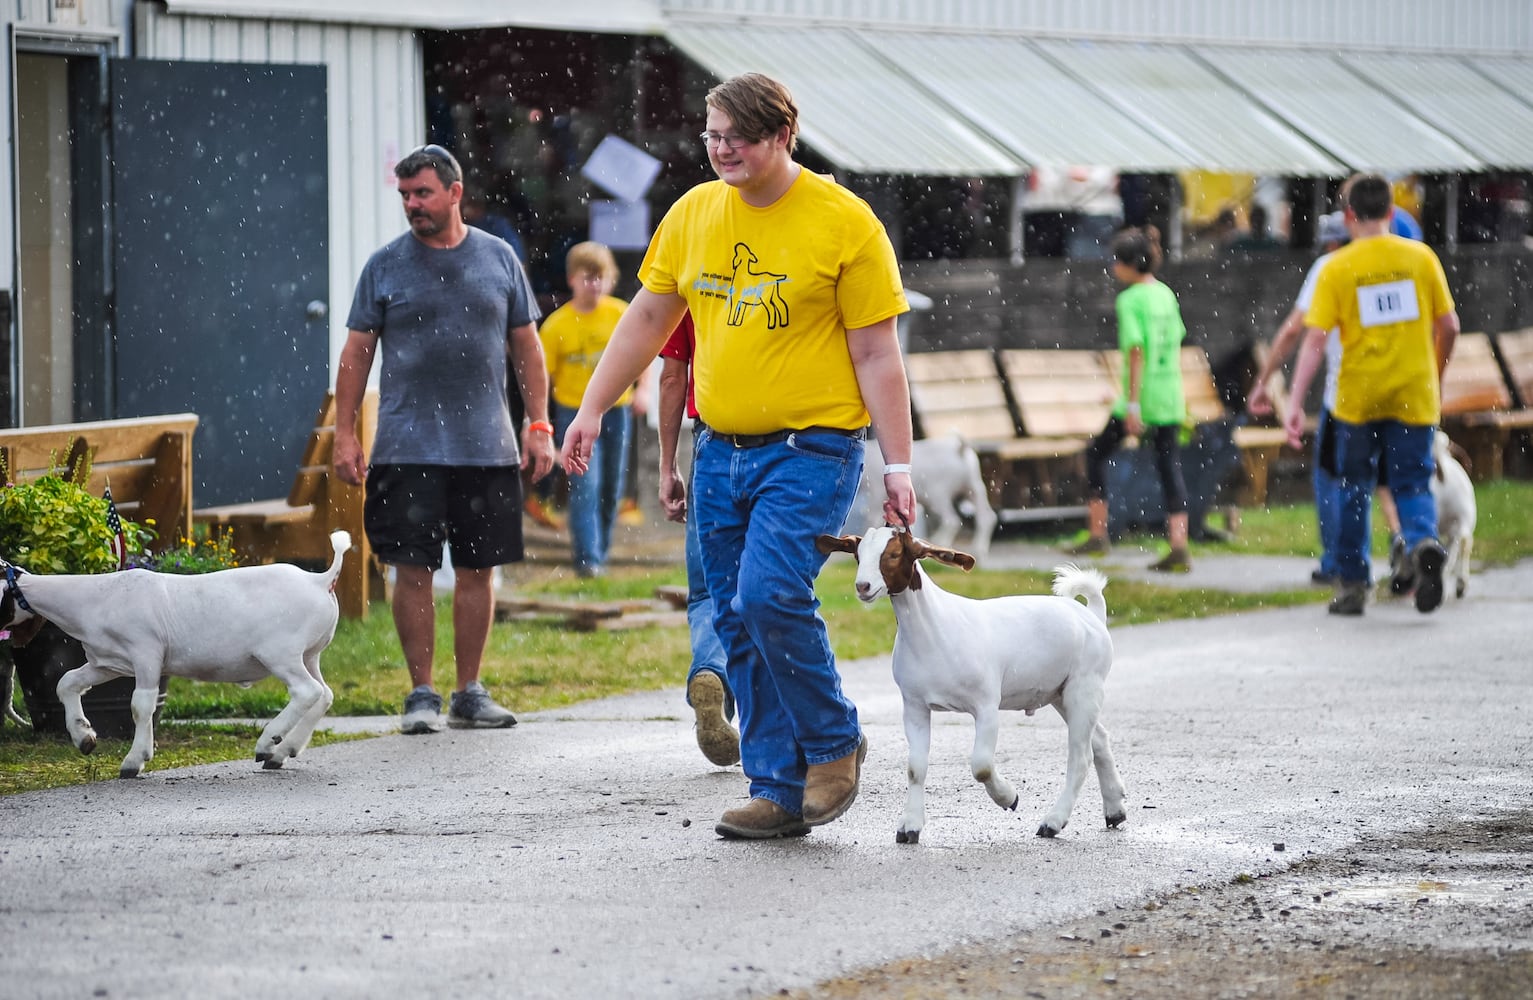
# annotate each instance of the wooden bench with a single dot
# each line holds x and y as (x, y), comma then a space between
(147, 460)
(297, 528)
(1063, 399)
(1516, 351)
(1259, 446)
(1478, 410)
(964, 392)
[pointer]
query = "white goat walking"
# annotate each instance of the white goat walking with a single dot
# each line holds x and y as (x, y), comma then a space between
(956, 654)
(1456, 511)
(234, 626)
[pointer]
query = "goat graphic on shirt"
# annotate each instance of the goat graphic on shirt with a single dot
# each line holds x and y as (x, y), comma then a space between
(751, 288)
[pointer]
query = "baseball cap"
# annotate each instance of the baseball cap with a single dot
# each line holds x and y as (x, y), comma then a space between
(1333, 229)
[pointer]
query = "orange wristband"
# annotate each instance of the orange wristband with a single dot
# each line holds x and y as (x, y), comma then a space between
(541, 425)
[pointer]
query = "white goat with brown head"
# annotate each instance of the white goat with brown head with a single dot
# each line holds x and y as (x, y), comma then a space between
(956, 654)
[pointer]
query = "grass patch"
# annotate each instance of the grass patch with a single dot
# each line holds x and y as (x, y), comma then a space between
(30, 762)
(540, 665)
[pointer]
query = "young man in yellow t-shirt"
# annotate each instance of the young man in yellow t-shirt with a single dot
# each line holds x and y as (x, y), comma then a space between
(1389, 299)
(574, 337)
(794, 290)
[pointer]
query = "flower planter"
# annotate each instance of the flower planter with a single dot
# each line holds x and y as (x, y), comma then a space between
(49, 656)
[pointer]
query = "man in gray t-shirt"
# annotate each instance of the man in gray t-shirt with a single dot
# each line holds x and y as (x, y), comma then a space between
(448, 304)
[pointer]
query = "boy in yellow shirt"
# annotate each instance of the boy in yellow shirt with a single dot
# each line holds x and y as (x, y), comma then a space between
(574, 337)
(1389, 299)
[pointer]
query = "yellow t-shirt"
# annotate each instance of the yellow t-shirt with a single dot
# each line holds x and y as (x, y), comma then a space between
(1384, 293)
(573, 343)
(772, 293)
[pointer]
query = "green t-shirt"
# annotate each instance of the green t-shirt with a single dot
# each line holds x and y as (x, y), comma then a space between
(1149, 319)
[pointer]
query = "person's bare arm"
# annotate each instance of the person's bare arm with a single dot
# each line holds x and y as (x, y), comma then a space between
(1135, 420)
(1445, 330)
(350, 384)
(530, 369)
(1310, 356)
(880, 369)
(672, 405)
(1284, 341)
(637, 339)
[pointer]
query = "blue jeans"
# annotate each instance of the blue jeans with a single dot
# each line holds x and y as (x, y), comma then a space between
(707, 651)
(594, 497)
(1327, 496)
(1406, 452)
(759, 511)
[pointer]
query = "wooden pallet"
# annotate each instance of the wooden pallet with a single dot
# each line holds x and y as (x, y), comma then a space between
(598, 616)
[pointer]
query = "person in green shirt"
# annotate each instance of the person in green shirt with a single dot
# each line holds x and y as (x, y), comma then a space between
(1150, 332)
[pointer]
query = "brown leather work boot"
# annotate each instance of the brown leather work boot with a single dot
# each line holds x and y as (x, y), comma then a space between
(760, 819)
(831, 788)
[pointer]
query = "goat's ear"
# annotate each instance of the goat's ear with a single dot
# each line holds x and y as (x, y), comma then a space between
(831, 543)
(952, 557)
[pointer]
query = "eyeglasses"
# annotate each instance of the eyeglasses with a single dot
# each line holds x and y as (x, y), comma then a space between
(712, 139)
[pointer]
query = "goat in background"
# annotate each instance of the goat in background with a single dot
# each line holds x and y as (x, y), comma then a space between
(1456, 511)
(955, 654)
(945, 473)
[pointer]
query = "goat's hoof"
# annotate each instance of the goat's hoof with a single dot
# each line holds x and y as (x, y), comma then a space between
(272, 764)
(1459, 588)
(1013, 806)
(907, 837)
(1115, 820)
(129, 772)
(88, 746)
(1047, 831)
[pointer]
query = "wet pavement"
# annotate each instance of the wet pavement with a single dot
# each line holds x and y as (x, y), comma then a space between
(575, 855)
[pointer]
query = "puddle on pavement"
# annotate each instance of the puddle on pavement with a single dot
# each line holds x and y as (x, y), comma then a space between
(1473, 891)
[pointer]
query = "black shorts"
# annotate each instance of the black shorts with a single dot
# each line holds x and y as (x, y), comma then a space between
(412, 509)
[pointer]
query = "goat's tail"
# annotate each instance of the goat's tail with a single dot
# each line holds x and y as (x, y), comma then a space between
(1071, 581)
(340, 541)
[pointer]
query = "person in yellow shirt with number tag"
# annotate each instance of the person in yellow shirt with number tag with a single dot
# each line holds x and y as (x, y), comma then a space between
(1389, 298)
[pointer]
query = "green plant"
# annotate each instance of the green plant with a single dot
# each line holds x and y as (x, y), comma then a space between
(52, 525)
(202, 552)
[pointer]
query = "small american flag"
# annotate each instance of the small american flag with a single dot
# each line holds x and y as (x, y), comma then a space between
(114, 525)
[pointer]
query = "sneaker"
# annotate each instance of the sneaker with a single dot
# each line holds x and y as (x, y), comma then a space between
(1092, 546)
(1401, 575)
(1321, 578)
(423, 712)
(1427, 558)
(1175, 561)
(473, 708)
(542, 514)
(716, 738)
(1350, 599)
(628, 512)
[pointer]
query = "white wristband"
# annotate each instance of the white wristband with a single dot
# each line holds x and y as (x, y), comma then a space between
(891, 467)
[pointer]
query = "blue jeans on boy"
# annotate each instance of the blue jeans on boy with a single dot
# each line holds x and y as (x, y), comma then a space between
(1406, 452)
(1327, 494)
(595, 496)
(707, 651)
(759, 511)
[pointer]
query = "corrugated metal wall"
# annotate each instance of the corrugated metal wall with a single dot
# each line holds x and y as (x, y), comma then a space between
(1504, 26)
(376, 111)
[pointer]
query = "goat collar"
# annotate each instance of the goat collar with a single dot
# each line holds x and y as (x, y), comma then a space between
(13, 588)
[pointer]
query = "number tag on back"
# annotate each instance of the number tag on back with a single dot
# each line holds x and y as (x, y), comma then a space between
(1389, 302)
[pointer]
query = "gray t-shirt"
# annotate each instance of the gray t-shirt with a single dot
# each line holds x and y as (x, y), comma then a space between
(442, 318)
